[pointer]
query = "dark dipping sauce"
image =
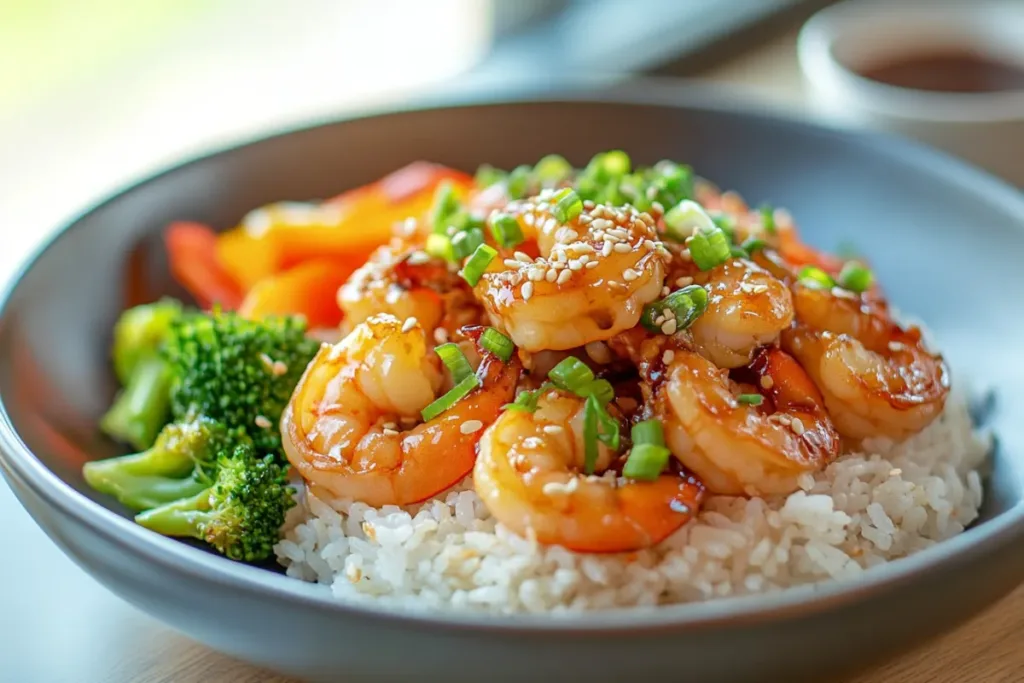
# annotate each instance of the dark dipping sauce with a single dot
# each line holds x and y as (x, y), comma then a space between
(954, 71)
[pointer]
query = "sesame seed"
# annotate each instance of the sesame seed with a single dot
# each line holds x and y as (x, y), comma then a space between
(440, 335)
(522, 258)
(896, 346)
(387, 431)
(588, 205)
(552, 429)
(606, 250)
(564, 276)
(623, 248)
(665, 291)
(669, 326)
(659, 320)
(797, 426)
(667, 312)
(267, 361)
(561, 257)
(389, 425)
(629, 275)
(527, 291)
(647, 218)
(895, 472)
(575, 264)
(511, 263)
(619, 232)
(566, 235)
(550, 224)
(668, 356)
(536, 274)
(593, 264)
(279, 368)
(651, 244)
(470, 426)
(684, 281)
(409, 323)
(532, 442)
(658, 207)
(529, 219)
(551, 275)
(584, 258)
(263, 422)
(784, 419)
(767, 382)
(601, 224)
(418, 258)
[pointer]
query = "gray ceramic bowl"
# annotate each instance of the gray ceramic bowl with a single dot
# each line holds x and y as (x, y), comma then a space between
(945, 239)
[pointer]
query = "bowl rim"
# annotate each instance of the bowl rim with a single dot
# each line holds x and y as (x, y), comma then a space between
(819, 35)
(21, 466)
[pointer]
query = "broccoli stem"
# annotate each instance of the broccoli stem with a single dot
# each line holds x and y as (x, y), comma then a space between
(143, 407)
(183, 518)
(140, 492)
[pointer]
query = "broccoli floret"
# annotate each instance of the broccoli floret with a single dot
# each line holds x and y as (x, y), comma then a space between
(240, 515)
(143, 405)
(181, 463)
(237, 371)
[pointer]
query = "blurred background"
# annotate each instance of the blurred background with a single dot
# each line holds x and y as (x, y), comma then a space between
(94, 93)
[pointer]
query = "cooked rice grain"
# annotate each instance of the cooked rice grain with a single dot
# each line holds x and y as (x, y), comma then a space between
(865, 509)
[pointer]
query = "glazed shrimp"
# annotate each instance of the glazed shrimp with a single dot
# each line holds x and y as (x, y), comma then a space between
(747, 308)
(529, 476)
(352, 426)
(754, 447)
(878, 379)
(408, 283)
(589, 282)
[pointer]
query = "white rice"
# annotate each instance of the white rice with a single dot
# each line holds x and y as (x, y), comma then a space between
(865, 509)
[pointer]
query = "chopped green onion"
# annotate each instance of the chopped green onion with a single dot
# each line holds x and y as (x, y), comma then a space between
(768, 219)
(567, 205)
(571, 374)
(519, 181)
(456, 361)
(456, 394)
(855, 277)
(750, 399)
(738, 252)
(607, 426)
(465, 243)
(709, 248)
(725, 222)
(526, 401)
(752, 245)
(601, 388)
(439, 246)
(817, 278)
(590, 448)
(609, 165)
(648, 431)
(444, 206)
(646, 462)
(477, 264)
(487, 175)
(495, 342)
(686, 218)
(686, 304)
(552, 170)
(506, 231)
(673, 183)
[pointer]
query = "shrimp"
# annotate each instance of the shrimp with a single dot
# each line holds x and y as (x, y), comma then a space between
(747, 308)
(877, 378)
(739, 445)
(408, 283)
(528, 475)
(590, 281)
(352, 426)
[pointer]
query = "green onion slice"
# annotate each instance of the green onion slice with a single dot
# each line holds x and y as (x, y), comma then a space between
(567, 205)
(738, 252)
(465, 243)
(685, 219)
(487, 175)
(598, 426)
(709, 248)
(506, 231)
(440, 246)
(768, 219)
(855, 277)
(607, 426)
(454, 395)
(519, 181)
(456, 361)
(810, 276)
(646, 462)
(477, 264)
(687, 304)
(571, 374)
(552, 170)
(526, 401)
(750, 399)
(601, 388)
(609, 165)
(752, 245)
(495, 342)
(444, 206)
(648, 431)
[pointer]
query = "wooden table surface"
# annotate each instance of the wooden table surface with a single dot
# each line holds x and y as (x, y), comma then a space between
(60, 626)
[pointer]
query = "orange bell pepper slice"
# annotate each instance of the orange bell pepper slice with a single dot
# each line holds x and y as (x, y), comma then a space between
(309, 289)
(192, 251)
(351, 224)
